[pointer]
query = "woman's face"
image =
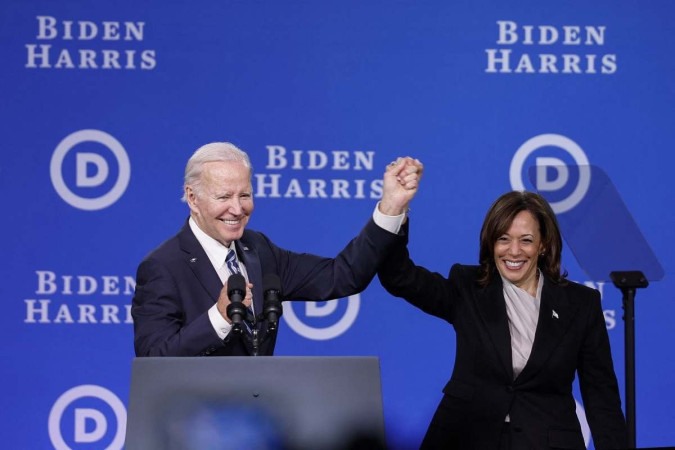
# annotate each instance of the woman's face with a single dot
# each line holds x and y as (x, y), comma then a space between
(516, 252)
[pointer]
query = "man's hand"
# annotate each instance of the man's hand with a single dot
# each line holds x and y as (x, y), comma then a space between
(401, 181)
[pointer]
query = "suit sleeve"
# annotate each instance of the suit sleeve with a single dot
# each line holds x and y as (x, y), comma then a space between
(310, 277)
(428, 291)
(160, 325)
(598, 383)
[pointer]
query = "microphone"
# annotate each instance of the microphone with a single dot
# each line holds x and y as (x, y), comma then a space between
(236, 291)
(272, 303)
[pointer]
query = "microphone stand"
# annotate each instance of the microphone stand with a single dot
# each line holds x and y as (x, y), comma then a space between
(254, 339)
(628, 282)
(257, 336)
(271, 312)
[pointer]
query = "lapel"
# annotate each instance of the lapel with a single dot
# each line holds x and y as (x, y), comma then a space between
(555, 316)
(492, 309)
(196, 259)
(249, 256)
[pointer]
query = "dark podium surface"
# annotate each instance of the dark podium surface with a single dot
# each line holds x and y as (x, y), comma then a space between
(254, 402)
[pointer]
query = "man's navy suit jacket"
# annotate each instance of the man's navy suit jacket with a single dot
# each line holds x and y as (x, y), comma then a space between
(176, 285)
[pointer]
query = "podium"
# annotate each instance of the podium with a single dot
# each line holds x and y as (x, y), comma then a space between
(271, 402)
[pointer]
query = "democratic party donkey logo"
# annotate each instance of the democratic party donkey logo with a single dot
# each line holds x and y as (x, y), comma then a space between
(590, 211)
(90, 170)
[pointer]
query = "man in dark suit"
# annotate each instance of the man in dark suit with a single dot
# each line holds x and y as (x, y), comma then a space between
(523, 333)
(180, 307)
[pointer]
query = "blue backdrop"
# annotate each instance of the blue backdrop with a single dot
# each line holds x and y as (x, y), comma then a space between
(101, 104)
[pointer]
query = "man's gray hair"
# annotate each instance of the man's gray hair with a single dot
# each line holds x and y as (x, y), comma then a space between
(215, 151)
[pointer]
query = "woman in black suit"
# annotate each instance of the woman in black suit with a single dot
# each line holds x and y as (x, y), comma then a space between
(523, 332)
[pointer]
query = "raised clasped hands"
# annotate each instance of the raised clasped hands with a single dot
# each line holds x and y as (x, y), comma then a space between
(401, 181)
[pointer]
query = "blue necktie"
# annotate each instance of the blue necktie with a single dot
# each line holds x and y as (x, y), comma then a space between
(233, 267)
(232, 264)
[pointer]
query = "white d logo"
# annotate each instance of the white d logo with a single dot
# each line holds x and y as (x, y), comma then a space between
(557, 165)
(81, 433)
(312, 309)
(90, 160)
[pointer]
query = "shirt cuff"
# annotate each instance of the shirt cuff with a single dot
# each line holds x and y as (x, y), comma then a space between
(389, 223)
(218, 322)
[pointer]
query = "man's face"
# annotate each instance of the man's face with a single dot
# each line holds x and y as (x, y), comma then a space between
(223, 202)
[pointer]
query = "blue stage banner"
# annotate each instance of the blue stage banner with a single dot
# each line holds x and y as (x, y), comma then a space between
(102, 103)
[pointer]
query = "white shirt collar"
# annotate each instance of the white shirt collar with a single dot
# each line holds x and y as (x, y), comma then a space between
(214, 249)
